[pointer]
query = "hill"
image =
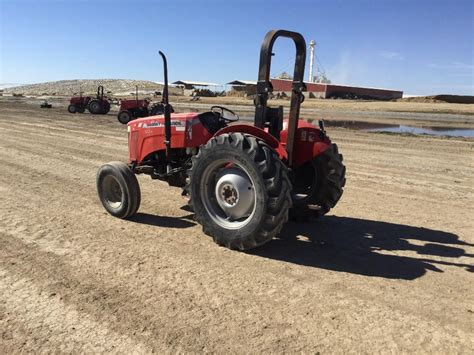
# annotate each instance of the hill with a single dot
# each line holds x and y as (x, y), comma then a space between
(88, 86)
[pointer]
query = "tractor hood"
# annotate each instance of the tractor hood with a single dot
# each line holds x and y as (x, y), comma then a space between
(177, 119)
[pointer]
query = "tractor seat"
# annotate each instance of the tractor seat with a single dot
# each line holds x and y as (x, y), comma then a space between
(210, 120)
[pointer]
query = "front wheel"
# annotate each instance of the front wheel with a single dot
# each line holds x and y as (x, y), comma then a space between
(239, 190)
(118, 189)
(72, 108)
(124, 117)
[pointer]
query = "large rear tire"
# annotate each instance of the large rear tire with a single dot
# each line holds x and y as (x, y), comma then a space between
(239, 190)
(105, 107)
(95, 107)
(72, 108)
(318, 185)
(118, 189)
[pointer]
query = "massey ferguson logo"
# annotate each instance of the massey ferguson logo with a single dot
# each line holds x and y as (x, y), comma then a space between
(162, 124)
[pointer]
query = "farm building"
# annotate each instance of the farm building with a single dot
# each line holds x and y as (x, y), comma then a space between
(190, 87)
(318, 90)
(242, 88)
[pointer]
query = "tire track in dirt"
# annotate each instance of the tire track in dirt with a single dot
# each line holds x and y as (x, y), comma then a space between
(105, 242)
(79, 289)
(65, 329)
(164, 285)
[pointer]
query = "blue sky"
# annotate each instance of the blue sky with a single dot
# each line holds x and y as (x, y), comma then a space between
(420, 47)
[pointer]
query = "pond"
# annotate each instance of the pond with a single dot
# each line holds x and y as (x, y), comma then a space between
(432, 131)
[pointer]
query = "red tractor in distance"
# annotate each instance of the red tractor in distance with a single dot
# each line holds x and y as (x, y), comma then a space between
(99, 105)
(133, 109)
(243, 181)
(78, 104)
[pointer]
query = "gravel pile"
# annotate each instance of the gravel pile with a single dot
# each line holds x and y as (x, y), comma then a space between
(88, 86)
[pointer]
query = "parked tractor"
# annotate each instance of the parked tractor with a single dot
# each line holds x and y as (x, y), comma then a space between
(78, 104)
(133, 109)
(243, 181)
(100, 105)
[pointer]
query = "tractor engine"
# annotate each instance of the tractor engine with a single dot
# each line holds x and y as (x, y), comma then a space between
(147, 147)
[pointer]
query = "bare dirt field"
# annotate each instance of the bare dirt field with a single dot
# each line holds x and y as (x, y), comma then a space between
(390, 269)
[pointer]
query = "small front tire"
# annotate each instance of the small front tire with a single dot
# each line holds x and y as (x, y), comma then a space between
(72, 108)
(124, 117)
(118, 189)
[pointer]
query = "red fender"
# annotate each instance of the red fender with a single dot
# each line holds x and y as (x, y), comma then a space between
(259, 133)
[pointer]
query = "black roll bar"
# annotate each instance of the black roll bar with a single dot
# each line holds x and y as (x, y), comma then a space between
(100, 92)
(264, 85)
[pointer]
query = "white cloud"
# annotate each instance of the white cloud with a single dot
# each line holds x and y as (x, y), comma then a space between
(390, 55)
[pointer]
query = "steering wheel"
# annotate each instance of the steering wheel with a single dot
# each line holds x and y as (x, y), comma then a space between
(220, 111)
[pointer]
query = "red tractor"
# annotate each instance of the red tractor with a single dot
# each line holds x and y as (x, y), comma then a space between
(243, 181)
(78, 104)
(133, 109)
(100, 105)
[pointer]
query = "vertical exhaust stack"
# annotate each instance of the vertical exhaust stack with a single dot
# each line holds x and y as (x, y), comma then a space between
(166, 107)
(136, 94)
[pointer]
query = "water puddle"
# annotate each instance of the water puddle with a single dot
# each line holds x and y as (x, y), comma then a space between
(389, 128)
(403, 129)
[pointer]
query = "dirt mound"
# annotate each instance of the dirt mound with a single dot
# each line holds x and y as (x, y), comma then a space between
(88, 86)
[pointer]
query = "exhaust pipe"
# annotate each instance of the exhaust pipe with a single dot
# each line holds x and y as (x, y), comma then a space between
(166, 108)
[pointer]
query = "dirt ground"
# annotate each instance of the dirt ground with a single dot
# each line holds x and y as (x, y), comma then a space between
(390, 269)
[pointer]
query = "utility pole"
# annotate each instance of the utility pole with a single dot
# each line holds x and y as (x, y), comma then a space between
(311, 60)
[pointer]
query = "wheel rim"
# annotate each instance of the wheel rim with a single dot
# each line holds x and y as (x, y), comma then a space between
(228, 194)
(95, 107)
(112, 192)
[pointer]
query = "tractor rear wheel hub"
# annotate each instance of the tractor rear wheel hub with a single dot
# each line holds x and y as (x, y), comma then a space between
(234, 193)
